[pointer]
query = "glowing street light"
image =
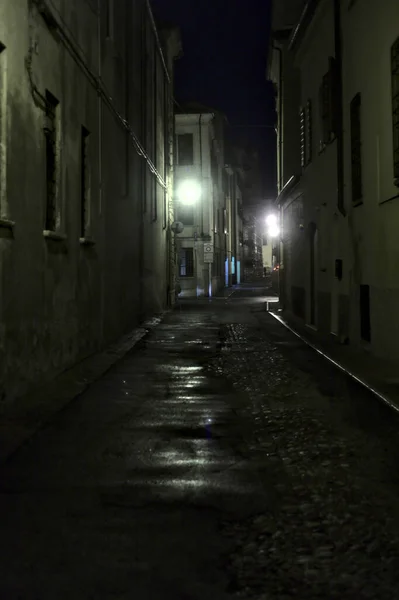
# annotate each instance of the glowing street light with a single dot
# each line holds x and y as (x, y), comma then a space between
(188, 192)
(273, 229)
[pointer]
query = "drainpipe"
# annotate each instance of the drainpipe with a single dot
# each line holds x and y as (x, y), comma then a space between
(100, 169)
(200, 145)
(339, 106)
(280, 123)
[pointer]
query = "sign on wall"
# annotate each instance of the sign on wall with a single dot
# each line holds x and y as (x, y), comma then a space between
(208, 253)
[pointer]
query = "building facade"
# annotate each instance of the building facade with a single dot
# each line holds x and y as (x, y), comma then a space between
(85, 180)
(208, 249)
(337, 101)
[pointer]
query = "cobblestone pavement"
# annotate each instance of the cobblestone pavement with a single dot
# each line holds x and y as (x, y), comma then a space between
(219, 459)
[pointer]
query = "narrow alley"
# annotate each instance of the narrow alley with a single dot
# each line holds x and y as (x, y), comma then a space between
(220, 458)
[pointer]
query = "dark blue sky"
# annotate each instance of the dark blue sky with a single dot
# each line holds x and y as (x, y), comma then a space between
(225, 46)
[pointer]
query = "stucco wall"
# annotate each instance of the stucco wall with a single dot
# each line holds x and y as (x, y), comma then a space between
(61, 300)
(373, 224)
(204, 229)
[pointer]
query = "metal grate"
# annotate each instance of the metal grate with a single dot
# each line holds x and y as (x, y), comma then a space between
(309, 132)
(356, 149)
(395, 106)
(50, 131)
(302, 124)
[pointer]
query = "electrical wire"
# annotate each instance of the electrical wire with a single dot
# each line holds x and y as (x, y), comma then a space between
(95, 80)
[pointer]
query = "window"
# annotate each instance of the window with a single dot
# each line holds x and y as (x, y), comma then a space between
(50, 131)
(309, 132)
(365, 324)
(327, 105)
(84, 182)
(302, 125)
(324, 112)
(186, 265)
(185, 149)
(356, 149)
(109, 19)
(186, 214)
(395, 107)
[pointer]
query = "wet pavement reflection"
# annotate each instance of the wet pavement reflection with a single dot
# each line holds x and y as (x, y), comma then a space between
(219, 459)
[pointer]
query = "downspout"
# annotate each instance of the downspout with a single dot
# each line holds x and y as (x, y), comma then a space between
(200, 145)
(280, 123)
(339, 107)
(100, 168)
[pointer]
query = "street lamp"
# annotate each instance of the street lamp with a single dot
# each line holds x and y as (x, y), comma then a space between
(273, 229)
(188, 192)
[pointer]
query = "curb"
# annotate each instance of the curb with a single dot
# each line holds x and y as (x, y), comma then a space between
(24, 417)
(382, 397)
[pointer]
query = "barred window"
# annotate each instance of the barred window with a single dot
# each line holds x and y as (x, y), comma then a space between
(302, 124)
(309, 132)
(395, 106)
(186, 264)
(50, 131)
(356, 148)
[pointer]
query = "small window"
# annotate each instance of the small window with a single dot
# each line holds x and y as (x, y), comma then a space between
(109, 19)
(185, 149)
(324, 111)
(186, 266)
(356, 149)
(84, 182)
(302, 125)
(395, 107)
(186, 215)
(309, 133)
(365, 323)
(50, 131)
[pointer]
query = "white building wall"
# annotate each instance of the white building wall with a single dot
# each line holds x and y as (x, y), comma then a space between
(369, 31)
(205, 280)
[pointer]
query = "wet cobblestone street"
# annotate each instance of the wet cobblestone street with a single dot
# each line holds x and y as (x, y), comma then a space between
(221, 458)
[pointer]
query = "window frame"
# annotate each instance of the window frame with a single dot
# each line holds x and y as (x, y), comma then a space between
(186, 162)
(51, 132)
(189, 264)
(395, 108)
(85, 208)
(109, 20)
(356, 149)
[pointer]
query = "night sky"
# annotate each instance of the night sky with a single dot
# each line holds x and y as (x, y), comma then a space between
(225, 45)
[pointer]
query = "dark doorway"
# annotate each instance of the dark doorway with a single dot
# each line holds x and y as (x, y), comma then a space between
(365, 325)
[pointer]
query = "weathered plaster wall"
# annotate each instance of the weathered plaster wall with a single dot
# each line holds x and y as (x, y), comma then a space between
(61, 300)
